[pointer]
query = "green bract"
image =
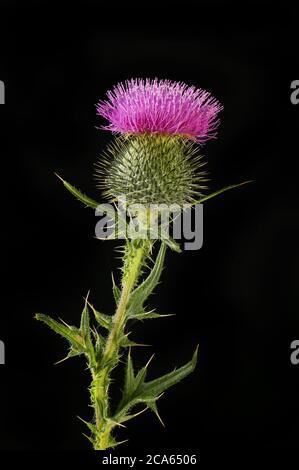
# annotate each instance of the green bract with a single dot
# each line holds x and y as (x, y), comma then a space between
(152, 169)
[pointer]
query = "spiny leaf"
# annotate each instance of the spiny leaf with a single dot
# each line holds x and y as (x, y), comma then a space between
(115, 423)
(113, 443)
(141, 293)
(153, 406)
(71, 333)
(84, 323)
(148, 315)
(172, 244)
(157, 386)
(131, 384)
(104, 320)
(86, 333)
(120, 227)
(116, 290)
(89, 438)
(129, 376)
(125, 342)
(90, 426)
(131, 416)
(141, 375)
(220, 191)
(78, 194)
(169, 241)
(99, 344)
(72, 353)
(136, 390)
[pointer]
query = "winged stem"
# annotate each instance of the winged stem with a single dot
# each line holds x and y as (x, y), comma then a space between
(101, 376)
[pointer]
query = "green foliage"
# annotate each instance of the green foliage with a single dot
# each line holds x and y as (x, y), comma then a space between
(88, 340)
(142, 292)
(102, 339)
(148, 315)
(87, 201)
(220, 191)
(72, 334)
(137, 390)
(103, 320)
(115, 290)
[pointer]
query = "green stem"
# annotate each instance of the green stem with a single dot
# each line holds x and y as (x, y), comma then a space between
(100, 377)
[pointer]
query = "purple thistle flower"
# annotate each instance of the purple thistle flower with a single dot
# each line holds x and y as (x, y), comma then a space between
(161, 106)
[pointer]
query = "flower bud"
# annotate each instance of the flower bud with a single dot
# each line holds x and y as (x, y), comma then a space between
(152, 169)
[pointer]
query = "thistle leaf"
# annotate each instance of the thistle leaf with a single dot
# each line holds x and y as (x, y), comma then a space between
(104, 320)
(169, 241)
(71, 333)
(158, 386)
(113, 443)
(90, 426)
(220, 191)
(86, 333)
(72, 353)
(141, 375)
(84, 323)
(125, 342)
(129, 384)
(153, 406)
(148, 315)
(99, 344)
(131, 416)
(141, 293)
(172, 244)
(116, 290)
(137, 390)
(87, 201)
(89, 438)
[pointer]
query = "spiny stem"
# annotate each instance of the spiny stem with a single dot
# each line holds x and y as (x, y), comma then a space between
(119, 317)
(100, 377)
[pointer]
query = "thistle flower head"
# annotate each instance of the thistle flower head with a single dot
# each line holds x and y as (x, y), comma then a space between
(152, 169)
(160, 106)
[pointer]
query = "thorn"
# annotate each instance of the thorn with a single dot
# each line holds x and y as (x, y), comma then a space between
(59, 177)
(140, 412)
(119, 443)
(88, 303)
(61, 360)
(129, 417)
(160, 419)
(116, 423)
(89, 438)
(81, 419)
(153, 407)
(65, 323)
(148, 362)
(86, 298)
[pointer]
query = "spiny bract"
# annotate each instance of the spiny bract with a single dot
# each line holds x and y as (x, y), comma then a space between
(151, 169)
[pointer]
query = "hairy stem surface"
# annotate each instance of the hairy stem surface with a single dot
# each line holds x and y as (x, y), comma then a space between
(101, 375)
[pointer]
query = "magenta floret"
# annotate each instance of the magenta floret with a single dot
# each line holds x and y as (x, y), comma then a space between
(161, 106)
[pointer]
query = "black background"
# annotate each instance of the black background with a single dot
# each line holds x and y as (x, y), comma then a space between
(237, 297)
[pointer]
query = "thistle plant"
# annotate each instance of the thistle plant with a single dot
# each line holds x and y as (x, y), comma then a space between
(154, 159)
